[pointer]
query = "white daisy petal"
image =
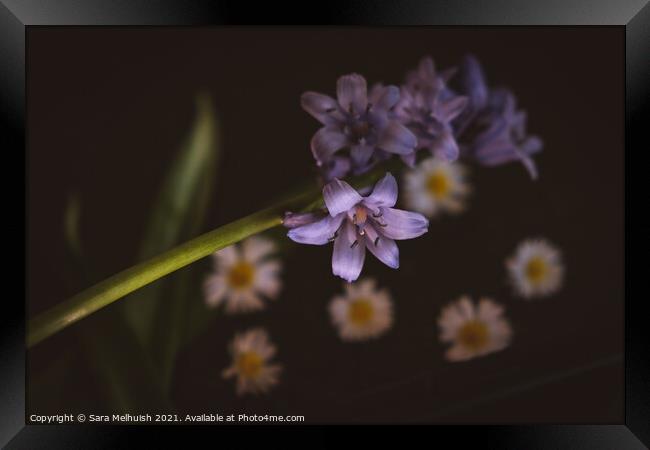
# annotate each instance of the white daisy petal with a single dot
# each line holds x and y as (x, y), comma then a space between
(338, 309)
(465, 308)
(233, 304)
(268, 269)
(459, 353)
(269, 287)
(363, 312)
(244, 302)
(436, 186)
(214, 289)
(536, 269)
(251, 353)
(246, 276)
(226, 257)
(256, 248)
(473, 330)
(488, 310)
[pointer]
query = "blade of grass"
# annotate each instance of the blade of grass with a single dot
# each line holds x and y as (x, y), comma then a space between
(177, 215)
(110, 345)
(115, 352)
(184, 291)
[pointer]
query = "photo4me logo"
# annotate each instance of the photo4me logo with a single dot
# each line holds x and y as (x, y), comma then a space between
(232, 418)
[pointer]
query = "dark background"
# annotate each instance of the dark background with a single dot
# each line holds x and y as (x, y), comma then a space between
(108, 110)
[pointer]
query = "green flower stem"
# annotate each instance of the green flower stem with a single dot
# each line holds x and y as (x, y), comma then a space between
(127, 281)
(123, 283)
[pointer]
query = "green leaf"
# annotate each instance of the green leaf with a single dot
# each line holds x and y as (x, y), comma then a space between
(109, 343)
(71, 218)
(177, 215)
(184, 293)
(115, 352)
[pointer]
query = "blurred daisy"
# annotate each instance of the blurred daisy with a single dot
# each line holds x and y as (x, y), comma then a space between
(473, 330)
(435, 186)
(242, 274)
(364, 312)
(251, 352)
(536, 268)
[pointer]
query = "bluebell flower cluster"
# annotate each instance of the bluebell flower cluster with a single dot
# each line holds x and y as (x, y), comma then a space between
(492, 129)
(450, 114)
(470, 120)
(428, 107)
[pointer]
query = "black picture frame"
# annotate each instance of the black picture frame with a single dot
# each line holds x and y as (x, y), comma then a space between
(16, 16)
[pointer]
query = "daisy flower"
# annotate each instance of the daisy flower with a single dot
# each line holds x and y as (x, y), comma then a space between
(242, 274)
(435, 186)
(536, 268)
(364, 312)
(251, 352)
(473, 330)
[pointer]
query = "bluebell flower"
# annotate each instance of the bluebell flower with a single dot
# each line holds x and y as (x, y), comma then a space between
(427, 107)
(356, 223)
(492, 130)
(294, 220)
(472, 83)
(358, 122)
(339, 166)
(505, 139)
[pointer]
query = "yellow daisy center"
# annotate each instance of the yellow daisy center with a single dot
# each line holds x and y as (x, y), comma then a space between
(438, 184)
(241, 275)
(536, 270)
(474, 335)
(249, 364)
(360, 311)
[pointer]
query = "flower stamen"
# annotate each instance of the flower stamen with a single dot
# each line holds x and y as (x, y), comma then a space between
(474, 335)
(536, 270)
(360, 311)
(249, 364)
(241, 275)
(438, 184)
